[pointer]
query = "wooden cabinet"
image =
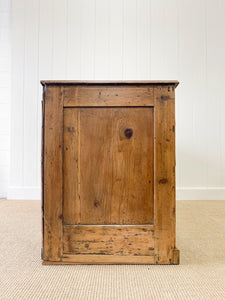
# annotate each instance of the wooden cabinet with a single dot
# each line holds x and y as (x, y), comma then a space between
(108, 172)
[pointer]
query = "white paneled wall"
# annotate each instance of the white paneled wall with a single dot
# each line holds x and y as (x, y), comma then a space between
(124, 39)
(4, 95)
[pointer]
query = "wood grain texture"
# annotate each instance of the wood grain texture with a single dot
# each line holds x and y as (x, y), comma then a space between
(109, 240)
(176, 256)
(53, 175)
(164, 174)
(116, 171)
(102, 259)
(94, 95)
(71, 174)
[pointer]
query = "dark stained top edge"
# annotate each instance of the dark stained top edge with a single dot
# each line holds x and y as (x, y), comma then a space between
(111, 82)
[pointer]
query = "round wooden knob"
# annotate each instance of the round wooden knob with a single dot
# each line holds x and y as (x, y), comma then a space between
(128, 132)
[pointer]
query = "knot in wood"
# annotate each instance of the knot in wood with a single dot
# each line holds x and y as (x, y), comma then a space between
(128, 132)
(96, 203)
(163, 181)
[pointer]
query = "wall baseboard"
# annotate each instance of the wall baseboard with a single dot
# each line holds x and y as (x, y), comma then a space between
(24, 193)
(200, 193)
(187, 193)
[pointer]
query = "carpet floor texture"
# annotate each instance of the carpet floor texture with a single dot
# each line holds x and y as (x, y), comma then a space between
(200, 275)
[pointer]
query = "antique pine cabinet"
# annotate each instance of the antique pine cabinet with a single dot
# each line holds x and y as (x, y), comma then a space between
(108, 172)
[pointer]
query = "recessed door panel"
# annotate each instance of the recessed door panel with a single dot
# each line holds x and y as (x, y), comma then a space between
(108, 165)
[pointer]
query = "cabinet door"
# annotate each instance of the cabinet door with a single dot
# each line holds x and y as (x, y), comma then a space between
(108, 205)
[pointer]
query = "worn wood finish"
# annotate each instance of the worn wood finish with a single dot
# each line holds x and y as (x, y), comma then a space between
(42, 168)
(108, 168)
(53, 175)
(109, 240)
(102, 259)
(108, 178)
(101, 95)
(164, 173)
(176, 256)
(110, 82)
(71, 203)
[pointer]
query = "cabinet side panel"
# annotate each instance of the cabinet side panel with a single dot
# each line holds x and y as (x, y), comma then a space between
(53, 175)
(164, 173)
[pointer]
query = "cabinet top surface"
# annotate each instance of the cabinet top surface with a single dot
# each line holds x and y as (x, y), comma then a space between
(109, 82)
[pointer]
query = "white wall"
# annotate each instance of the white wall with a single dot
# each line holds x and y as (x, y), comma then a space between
(4, 94)
(124, 39)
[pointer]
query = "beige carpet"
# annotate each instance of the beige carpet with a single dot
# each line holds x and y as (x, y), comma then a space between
(201, 275)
